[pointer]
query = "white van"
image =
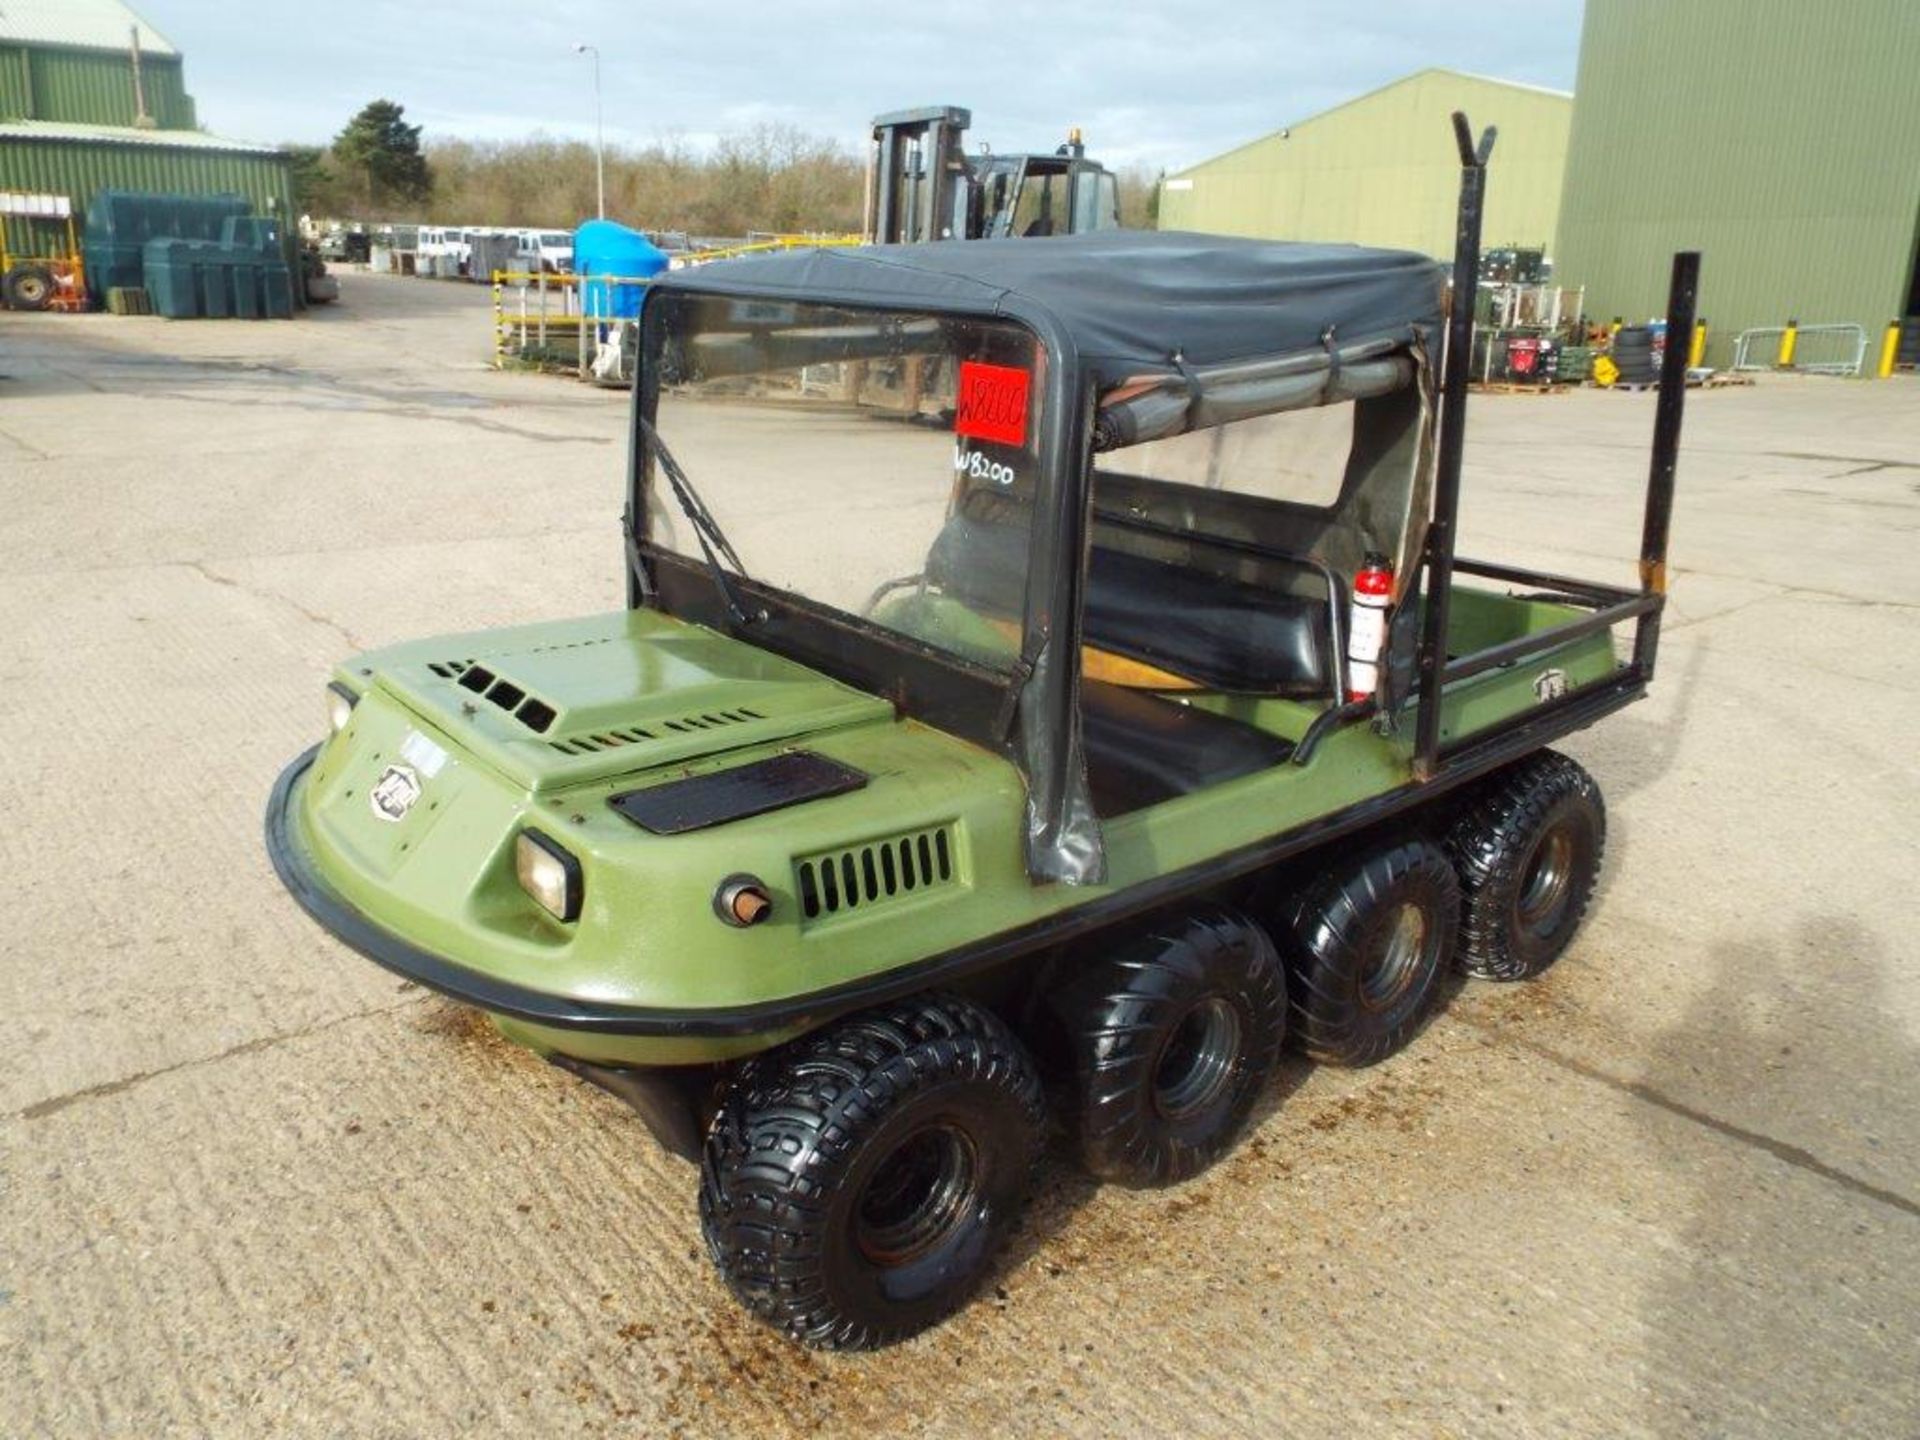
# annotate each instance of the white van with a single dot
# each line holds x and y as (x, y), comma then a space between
(443, 250)
(544, 250)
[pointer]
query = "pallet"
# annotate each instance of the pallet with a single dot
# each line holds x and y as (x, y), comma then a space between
(1501, 387)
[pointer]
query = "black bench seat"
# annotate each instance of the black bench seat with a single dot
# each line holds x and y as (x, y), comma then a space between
(1143, 748)
(1221, 634)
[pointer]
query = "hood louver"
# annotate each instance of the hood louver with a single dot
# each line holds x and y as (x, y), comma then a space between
(634, 734)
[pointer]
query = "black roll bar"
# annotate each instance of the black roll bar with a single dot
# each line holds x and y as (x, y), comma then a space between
(1431, 663)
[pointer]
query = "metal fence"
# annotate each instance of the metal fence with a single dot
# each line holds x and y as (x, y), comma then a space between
(1804, 349)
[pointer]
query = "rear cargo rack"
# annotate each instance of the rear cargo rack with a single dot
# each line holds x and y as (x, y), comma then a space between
(1608, 606)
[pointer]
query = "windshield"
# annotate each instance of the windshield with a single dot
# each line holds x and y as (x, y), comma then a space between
(852, 457)
(1042, 207)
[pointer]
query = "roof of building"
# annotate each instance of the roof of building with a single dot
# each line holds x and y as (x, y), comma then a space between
(82, 24)
(1127, 301)
(1365, 96)
(128, 135)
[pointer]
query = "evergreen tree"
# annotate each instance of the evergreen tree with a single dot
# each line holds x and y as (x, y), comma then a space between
(379, 154)
(315, 186)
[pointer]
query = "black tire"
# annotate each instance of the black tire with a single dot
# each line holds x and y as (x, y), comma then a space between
(1364, 943)
(1528, 850)
(29, 287)
(857, 1184)
(1172, 1038)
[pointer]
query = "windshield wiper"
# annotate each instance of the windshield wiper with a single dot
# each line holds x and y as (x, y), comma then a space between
(705, 528)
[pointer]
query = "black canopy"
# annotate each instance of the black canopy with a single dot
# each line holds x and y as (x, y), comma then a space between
(1112, 307)
(1127, 300)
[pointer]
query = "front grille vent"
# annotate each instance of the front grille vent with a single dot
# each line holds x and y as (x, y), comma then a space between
(881, 870)
(448, 669)
(633, 734)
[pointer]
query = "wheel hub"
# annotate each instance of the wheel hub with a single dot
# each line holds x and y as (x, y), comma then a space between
(1549, 873)
(1198, 1063)
(924, 1188)
(1396, 962)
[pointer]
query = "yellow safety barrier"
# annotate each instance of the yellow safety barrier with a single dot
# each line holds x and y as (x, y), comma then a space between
(545, 303)
(1789, 337)
(762, 247)
(1889, 350)
(1697, 352)
(542, 319)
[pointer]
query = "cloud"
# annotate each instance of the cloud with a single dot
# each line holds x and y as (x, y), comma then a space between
(1159, 84)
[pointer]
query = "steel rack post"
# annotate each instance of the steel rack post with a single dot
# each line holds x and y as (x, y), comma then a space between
(1683, 294)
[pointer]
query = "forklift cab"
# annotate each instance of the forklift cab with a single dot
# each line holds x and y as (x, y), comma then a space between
(923, 186)
(1037, 195)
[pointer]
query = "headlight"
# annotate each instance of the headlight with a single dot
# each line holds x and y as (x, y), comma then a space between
(547, 873)
(340, 703)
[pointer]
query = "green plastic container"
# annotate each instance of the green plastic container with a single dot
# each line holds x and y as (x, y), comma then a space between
(172, 281)
(246, 279)
(120, 224)
(262, 285)
(213, 270)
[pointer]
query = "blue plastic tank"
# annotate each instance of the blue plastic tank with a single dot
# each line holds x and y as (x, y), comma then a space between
(610, 251)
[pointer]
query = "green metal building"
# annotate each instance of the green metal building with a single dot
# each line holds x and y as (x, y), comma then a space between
(1780, 138)
(1382, 169)
(73, 60)
(93, 98)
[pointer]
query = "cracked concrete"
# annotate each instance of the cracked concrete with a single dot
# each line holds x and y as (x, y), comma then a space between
(208, 573)
(54, 1104)
(251, 1184)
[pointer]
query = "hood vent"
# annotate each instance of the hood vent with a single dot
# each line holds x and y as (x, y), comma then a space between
(871, 874)
(529, 710)
(634, 734)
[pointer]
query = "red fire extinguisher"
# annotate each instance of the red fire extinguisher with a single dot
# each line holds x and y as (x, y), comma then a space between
(1367, 626)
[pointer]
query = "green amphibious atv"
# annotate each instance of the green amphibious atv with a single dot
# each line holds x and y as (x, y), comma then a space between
(1044, 688)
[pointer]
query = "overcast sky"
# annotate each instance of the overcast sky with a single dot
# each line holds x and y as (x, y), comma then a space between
(1164, 84)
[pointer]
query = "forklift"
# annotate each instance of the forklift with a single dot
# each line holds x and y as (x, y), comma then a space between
(921, 185)
(49, 274)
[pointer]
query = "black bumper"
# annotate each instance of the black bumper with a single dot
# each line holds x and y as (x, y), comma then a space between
(470, 987)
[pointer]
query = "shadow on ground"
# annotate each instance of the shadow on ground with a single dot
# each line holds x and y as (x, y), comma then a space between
(1785, 1310)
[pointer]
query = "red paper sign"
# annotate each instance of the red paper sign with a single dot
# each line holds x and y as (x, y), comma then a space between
(993, 403)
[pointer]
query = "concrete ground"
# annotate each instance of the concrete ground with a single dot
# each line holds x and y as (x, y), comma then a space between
(251, 1184)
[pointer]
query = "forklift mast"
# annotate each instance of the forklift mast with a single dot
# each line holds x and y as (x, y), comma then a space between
(922, 186)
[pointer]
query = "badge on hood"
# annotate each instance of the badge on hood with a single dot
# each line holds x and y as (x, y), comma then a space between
(394, 792)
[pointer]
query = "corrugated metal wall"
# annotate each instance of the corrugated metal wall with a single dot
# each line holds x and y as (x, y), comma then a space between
(88, 87)
(16, 88)
(1779, 137)
(1383, 170)
(81, 170)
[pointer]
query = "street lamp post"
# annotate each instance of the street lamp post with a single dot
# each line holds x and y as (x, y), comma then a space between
(599, 128)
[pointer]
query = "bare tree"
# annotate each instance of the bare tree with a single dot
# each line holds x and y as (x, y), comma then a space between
(771, 177)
